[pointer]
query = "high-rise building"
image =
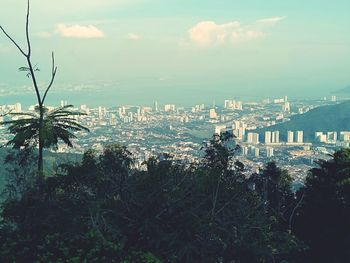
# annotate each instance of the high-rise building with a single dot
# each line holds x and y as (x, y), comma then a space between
(332, 136)
(156, 106)
(131, 116)
(233, 105)
(320, 137)
(256, 152)
(169, 107)
(334, 98)
(300, 137)
(100, 113)
(275, 138)
(345, 136)
(239, 133)
(212, 114)
(239, 125)
(18, 108)
(239, 105)
(269, 152)
(290, 137)
(244, 150)
(253, 138)
(268, 137)
(85, 109)
(113, 120)
(219, 129)
(286, 107)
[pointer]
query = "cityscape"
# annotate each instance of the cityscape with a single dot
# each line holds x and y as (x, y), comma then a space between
(181, 131)
(148, 131)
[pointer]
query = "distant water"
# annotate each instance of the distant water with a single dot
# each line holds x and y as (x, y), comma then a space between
(138, 95)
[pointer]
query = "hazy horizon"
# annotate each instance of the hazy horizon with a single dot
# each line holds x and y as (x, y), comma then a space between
(179, 51)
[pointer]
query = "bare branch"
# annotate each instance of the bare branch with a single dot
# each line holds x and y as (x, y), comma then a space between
(27, 30)
(293, 212)
(53, 75)
(31, 69)
(13, 41)
(35, 84)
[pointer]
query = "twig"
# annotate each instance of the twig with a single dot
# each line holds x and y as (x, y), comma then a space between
(293, 212)
(53, 75)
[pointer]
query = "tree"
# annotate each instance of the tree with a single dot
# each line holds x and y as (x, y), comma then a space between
(322, 220)
(39, 126)
(58, 124)
(104, 210)
(274, 185)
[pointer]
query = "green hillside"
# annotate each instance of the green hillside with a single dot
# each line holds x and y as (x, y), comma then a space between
(326, 118)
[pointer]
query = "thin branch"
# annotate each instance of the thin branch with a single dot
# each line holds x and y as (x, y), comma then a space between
(226, 204)
(53, 75)
(32, 73)
(215, 197)
(31, 69)
(293, 212)
(13, 41)
(27, 30)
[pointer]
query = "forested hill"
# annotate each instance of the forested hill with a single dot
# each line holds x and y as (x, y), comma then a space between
(325, 118)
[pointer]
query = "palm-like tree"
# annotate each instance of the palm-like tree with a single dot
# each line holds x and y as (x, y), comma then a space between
(42, 128)
(32, 130)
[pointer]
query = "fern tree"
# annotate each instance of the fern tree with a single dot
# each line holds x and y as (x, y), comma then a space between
(40, 128)
(58, 124)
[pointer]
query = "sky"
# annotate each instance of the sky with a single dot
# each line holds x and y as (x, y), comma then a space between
(183, 51)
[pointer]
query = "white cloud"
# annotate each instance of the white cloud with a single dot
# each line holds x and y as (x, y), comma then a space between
(133, 36)
(209, 33)
(271, 20)
(78, 31)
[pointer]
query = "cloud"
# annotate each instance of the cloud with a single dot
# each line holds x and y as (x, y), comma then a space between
(209, 33)
(271, 20)
(78, 31)
(133, 36)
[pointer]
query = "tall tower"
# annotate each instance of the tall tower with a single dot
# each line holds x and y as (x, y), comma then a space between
(290, 137)
(269, 152)
(300, 137)
(275, 137)
(267, 137)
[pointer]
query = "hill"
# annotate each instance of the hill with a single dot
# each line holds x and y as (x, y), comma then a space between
(325, 118)
(345, 90)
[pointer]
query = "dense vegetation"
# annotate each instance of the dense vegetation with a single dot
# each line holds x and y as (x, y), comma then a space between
(103, 210)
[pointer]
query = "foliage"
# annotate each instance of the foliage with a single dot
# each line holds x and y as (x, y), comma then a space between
(58, 124)
(104, 208)
(323, 218)
(274, 185)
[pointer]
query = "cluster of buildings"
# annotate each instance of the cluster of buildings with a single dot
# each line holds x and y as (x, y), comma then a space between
(181, 131)
(331, 137)
(233, 105)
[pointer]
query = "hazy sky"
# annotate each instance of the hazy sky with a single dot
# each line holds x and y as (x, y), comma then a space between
(221, 48)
